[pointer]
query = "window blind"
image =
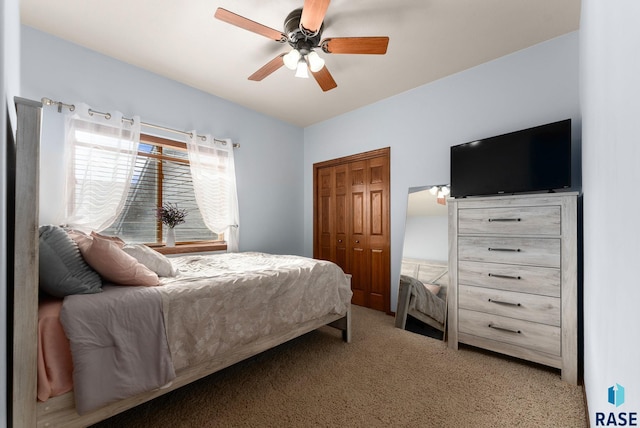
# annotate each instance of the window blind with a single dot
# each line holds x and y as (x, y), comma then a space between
(161, 175)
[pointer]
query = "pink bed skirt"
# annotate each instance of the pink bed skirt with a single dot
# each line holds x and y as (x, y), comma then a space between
(55, 367)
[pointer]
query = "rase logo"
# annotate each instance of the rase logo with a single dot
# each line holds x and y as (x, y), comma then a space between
(615, 397)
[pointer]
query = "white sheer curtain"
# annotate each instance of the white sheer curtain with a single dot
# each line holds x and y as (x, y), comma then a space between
(100, 155)
(214, 182)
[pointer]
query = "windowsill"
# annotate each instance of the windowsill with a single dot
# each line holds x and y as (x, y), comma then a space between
(191, 248)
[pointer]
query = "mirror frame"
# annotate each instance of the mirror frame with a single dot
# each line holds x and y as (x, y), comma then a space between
(439, 258)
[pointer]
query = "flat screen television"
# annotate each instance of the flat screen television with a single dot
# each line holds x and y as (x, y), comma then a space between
(531, 160)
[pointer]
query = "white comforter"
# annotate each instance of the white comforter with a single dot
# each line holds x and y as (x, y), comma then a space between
(119, 340)
(219, 301)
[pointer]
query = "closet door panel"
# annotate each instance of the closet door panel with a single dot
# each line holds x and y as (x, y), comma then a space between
(341, 238)
(324, 214)
(358, 218)
(376, 213)
(378, 280)
(325, 234)
(358, 264)
(358, 277)
(341, 217)
(378, 232)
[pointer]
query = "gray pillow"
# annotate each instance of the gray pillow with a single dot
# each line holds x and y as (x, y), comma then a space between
(63, 271)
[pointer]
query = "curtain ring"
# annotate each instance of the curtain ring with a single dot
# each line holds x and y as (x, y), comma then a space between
(105, 115)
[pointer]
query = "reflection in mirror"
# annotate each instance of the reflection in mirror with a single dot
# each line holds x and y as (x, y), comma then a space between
(422, 297)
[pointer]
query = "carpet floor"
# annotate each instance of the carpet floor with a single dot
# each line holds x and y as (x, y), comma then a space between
(386, 377)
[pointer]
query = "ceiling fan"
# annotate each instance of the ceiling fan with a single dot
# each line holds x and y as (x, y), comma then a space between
(303, 31)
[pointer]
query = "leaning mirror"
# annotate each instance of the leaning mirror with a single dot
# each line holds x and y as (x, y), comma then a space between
(422, 296)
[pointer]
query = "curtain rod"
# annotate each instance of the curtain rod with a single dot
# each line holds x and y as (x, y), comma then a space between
(48, 101)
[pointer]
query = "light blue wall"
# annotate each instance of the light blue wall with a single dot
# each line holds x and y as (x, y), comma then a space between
(530, 87)
(269, 164)
(610, 96)
(426, 237)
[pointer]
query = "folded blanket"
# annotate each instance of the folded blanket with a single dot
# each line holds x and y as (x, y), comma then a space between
(111, 360)
(425, 301)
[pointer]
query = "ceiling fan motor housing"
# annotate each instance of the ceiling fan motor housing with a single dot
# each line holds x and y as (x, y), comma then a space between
(299, 37)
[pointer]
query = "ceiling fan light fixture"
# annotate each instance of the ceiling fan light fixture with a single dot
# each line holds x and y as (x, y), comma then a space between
(301, 70)
(315, 62)
(303, 29)
(291, 59)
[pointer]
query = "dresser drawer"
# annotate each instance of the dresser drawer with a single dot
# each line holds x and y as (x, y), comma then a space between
(538, 337)
(510, 221)
(528, 279)
(523, 306)
(521, 251)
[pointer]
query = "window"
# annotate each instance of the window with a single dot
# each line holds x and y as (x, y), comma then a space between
(161, 175)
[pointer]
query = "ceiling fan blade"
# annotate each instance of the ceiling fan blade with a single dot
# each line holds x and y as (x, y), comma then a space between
(268, 68)
(355, 45)
(247, 24)
(313, 13)
(324, 79)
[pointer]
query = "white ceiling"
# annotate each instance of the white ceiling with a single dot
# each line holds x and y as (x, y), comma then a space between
(429, 39)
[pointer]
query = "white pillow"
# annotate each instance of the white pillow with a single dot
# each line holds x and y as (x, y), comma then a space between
(150, 258)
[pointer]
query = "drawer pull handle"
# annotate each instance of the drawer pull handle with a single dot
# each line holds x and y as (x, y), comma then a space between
(495, 275)
(515, 250)
(500, 302)
(495, 327)
(505, 219)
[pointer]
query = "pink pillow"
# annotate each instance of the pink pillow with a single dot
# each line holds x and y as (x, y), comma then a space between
(116, 240)
(434, 288)
(81, 239)
(105, 256)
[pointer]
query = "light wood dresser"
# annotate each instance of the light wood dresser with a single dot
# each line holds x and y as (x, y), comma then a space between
(513, 263)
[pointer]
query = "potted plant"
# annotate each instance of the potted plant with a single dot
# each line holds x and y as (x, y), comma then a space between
(171, 216)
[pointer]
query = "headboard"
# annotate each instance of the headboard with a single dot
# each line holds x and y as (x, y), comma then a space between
(426, 271)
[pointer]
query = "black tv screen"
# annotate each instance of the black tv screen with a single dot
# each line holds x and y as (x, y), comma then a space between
(531, 160)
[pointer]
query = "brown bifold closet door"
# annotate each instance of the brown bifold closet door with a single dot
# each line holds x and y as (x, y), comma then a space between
(351, 222)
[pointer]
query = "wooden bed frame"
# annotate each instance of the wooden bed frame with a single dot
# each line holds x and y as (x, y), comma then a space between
(26, 411)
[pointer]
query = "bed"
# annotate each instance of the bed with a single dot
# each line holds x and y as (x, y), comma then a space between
(423, 293)
(218, 310)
